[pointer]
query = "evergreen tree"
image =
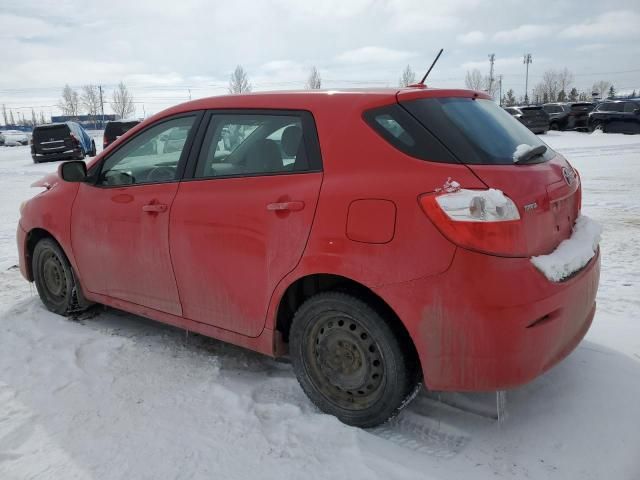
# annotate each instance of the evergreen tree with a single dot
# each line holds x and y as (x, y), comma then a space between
(509, 99)
(573, 95)
(562, 96)
(545, 98)
(612, 92)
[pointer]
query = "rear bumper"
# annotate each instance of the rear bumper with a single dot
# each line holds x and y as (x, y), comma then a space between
(50, 157)
(492, 323)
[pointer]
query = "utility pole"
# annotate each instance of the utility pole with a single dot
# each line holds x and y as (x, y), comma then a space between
(500, 82)
(527, 60)
(101, 105)
(492, 59)
(189, 93)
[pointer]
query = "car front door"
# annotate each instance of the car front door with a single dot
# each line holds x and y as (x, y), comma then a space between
(120, 218)
(241, 223)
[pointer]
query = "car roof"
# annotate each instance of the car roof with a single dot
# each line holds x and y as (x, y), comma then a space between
(361, 98)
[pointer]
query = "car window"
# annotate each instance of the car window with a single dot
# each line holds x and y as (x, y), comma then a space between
(152, 156)
(253, 144)
(476, 130)
(405, 133)
(630, 107)
(611, 107)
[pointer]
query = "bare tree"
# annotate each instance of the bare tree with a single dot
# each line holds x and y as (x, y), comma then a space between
(601, 88)
(122, 102)
(408, 77)
(69, 102)
(473, 80)
(42, 121)
(4, 114)
(11, 119)
(314, 82)
(239, 82)
(34, 119)
(90, 99)
(565, 79)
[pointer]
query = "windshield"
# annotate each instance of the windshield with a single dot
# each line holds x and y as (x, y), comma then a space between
(476, 131)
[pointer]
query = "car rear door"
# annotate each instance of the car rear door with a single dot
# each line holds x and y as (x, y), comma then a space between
(120, 220)
(242, 220)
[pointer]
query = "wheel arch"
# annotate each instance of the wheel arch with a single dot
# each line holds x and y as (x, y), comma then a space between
(33, 237)
(304, 287)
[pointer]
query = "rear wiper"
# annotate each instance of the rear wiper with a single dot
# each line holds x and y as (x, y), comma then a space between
(527, 155)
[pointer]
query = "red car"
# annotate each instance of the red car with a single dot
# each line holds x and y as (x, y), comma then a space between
(364, 233)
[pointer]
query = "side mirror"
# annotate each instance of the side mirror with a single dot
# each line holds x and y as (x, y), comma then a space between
(74, 171)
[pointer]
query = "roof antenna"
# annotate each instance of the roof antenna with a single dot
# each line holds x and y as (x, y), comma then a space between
(431, 67)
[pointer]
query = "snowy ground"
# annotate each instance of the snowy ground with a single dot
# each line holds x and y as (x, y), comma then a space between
(115, 396)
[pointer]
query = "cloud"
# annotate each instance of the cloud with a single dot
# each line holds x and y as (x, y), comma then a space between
(374, 55)
(613, 24)
(524, 33)
(471, 38)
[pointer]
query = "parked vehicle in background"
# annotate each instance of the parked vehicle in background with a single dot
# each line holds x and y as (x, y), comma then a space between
(379, 237)
(579, 114)
(558, 116)
(13, 138)
(532, 117)
(616, 116)
(61, 141)
(1, 138)
(115, 129)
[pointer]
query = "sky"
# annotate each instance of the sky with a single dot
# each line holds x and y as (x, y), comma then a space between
(166, 51)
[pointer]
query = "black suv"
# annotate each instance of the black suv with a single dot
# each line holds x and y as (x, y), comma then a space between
(61, 141)
(532, 117)
(616, 116)
(116, 128)
(559, 118)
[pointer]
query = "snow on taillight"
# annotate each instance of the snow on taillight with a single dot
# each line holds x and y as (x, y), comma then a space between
(482, 220)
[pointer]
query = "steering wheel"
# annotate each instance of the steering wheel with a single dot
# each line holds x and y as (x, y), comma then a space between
(161, 174)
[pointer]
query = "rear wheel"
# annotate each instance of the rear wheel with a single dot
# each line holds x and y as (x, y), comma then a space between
(598, 127)
(349, 361)
(56, 284)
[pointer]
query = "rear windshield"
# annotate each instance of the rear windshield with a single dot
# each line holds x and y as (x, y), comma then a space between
(475, 131)
(115, 129)
(50, 133)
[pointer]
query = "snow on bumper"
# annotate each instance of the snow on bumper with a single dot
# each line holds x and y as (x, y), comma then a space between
(573, 253)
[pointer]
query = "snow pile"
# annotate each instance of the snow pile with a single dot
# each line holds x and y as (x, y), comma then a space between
(573, 253)
(521, 150)
(478, 205)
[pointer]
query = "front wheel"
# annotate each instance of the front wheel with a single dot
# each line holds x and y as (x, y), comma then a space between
(54, 279)
(349, 360)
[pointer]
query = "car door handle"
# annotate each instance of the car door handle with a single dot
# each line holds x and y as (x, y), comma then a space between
(155, 208)
(293, 206)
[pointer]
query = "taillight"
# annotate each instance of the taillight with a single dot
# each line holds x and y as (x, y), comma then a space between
(486, 221)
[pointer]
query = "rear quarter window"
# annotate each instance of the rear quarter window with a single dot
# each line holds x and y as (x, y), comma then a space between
(400, 129)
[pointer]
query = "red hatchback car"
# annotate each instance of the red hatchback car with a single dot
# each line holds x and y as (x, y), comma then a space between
(321, 224)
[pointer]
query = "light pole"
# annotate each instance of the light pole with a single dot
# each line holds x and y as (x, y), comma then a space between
(527, 60)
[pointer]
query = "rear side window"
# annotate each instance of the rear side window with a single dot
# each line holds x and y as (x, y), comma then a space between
(630, 107)
(475, 131)
(405, 133)
(250, 144)
(115, 129)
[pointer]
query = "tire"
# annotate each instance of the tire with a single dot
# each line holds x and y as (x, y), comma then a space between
(598, 126)
(349, 361)
(554, 126)
(55, 281)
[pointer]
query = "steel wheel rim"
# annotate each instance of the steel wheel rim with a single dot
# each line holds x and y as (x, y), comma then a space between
(345, 362)
(54, 280)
